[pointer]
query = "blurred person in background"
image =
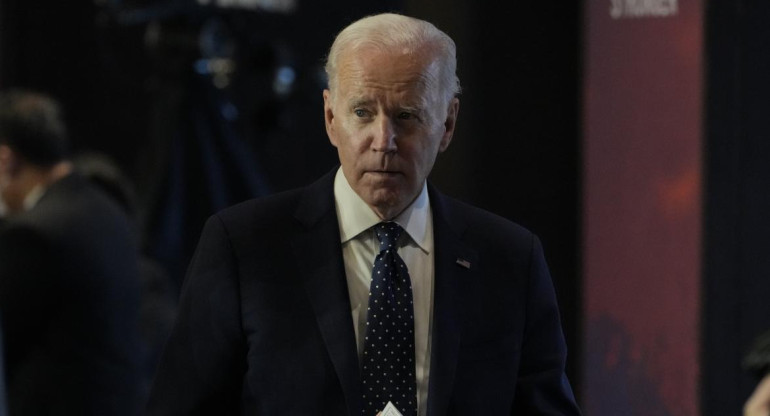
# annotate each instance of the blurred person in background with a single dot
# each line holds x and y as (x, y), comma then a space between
(69, 285)
(158, 303)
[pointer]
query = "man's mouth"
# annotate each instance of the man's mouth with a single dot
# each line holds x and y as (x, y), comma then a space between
(384, 172)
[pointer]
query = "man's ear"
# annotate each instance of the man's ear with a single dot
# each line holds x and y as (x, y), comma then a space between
(329, 117)
(450, 123)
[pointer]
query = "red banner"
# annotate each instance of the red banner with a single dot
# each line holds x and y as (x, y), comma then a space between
(642, 206)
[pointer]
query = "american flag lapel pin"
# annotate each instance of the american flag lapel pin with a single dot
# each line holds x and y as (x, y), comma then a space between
(464, 263)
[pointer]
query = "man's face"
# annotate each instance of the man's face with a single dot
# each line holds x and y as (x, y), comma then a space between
(388, 120)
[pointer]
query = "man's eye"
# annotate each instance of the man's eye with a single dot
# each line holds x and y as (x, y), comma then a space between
(359, 112)
(405, 116)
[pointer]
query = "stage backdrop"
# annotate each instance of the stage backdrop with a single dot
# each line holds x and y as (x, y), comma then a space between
(642, 206)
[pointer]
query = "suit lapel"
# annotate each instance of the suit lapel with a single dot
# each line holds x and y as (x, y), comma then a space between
(454, 267)
(318, 250)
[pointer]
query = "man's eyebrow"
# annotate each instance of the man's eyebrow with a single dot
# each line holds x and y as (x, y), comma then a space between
(366, 102)
(416, 109)
(360, 102)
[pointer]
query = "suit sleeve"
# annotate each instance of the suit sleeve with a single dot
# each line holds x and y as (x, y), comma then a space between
(202, 368)
(543, 388)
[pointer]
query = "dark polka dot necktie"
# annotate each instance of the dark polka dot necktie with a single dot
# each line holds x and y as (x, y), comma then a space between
(388, 362)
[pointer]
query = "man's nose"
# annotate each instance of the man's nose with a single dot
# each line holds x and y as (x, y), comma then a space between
(384, 139)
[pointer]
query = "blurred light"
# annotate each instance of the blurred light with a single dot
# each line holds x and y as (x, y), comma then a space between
(219, 70)
(278, 6)
(216, 40)
(284, 80)
(221, 81)
(214, 66)
(229, 111)
(202, 66)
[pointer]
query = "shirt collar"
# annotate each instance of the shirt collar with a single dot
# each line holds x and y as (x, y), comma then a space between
(355, 216)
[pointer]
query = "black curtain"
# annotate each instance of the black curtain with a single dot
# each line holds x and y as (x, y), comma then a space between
(736, 261)
(516, 151)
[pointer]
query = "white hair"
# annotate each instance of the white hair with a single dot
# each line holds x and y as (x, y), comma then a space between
(390, 31)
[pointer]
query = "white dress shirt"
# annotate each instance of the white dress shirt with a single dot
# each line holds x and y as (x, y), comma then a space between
(359, 248)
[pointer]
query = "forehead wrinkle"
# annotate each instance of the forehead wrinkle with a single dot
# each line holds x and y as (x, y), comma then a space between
(366, 88)
(414, 82)
(404, 99)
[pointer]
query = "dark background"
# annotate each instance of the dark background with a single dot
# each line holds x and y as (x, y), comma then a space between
(736, 264)
(126, 74)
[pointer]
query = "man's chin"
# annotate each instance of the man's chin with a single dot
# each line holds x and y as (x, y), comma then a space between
(388, 203)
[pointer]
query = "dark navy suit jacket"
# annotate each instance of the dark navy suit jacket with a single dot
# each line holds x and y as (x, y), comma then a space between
(264, 325)
(69, 300)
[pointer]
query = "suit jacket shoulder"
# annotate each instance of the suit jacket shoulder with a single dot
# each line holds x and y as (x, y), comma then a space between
(264, 319)
(485, 231)
(496, 328)
(268, 227)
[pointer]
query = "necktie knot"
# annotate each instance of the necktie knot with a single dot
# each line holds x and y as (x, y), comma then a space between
(387, 234)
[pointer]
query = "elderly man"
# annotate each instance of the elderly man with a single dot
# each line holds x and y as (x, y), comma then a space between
(69, 283)
(369, 291)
